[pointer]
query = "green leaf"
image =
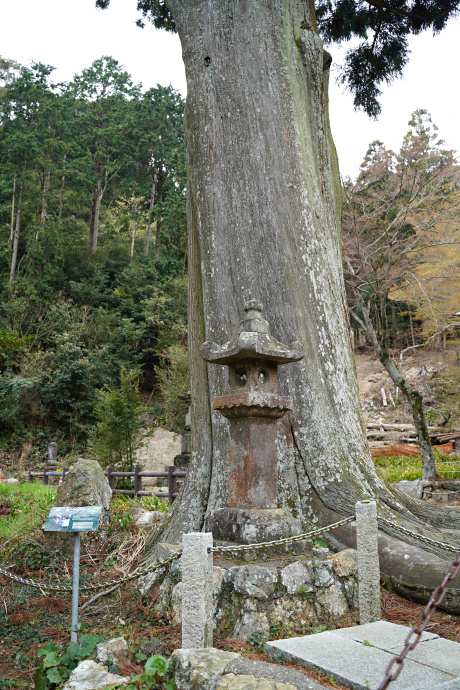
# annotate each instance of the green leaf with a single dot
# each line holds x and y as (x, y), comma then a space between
(50, 647)
(40, 679)
(54, 676)
(156, 664)
(140, 656)
(51, 659)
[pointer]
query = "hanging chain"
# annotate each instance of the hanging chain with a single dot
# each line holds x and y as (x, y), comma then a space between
(92, 588)
(436, 600)
(419, 537)
(279, 542)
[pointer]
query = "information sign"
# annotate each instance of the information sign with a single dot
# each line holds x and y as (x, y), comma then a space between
(66, 519)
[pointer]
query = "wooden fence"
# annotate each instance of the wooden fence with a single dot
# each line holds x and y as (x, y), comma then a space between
(172, 475)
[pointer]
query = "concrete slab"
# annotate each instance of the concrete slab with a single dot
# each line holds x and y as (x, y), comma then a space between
(353, 663)
(441, 654)
(451, 685)
(383, 635)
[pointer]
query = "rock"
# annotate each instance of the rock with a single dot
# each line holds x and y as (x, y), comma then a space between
(297, 611)
(199, 669)
(157, 453)
(86, 485)
(147, 518)
(11, 480)
(176, 603)
(252, 580)
(232, 682)
(90, 675)
(333, 600)
(345, 562)
(274, 672)
(323, 574)
(111, 649)
(414, 489)
(294, 576)
(251, 622)
(218, 575)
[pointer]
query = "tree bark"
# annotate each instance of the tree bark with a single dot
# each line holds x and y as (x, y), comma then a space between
(264, 204)
(98, 193)
(61, 196)
(133, 232)
(10, 241)
(149, 224)
(14, 256)
(156, 255)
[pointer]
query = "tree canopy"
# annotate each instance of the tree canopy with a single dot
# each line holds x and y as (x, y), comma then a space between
(380, 28)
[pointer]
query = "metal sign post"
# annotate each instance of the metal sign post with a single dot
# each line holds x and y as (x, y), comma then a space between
(76, 520)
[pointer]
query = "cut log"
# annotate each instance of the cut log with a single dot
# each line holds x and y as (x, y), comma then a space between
(391, 427)
(405, 449)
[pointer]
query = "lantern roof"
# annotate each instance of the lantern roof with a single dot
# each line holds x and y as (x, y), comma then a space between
(252, 342)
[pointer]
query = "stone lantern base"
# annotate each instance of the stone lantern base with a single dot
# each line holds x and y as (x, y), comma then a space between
(252, 525)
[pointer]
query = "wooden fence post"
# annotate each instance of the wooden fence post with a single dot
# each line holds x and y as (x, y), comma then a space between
(137, 480)
(31, 476)
(109, 476)
(172, 483)
(45, 477)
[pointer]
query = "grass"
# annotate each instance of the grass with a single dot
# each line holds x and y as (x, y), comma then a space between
(28, 505)
(396, 469)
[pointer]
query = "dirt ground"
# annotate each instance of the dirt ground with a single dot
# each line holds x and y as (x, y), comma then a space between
(435, 373)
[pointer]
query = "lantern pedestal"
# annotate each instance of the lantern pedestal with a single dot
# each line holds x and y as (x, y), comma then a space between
(253, 407)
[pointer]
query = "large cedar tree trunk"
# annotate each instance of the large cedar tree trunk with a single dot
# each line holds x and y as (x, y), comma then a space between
(264, 202)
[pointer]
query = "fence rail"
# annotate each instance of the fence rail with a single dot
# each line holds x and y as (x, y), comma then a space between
(172, 475)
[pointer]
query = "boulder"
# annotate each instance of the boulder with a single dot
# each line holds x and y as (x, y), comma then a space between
(253, 580)
(199, 669)
(203, 669)
(295, 576)
(112, 649)
(90, 675)
(86, 485)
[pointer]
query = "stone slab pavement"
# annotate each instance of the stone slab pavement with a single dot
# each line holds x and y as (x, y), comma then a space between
(358, 657)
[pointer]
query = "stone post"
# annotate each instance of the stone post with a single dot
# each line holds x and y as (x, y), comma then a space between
(196, 566)
(368, 562)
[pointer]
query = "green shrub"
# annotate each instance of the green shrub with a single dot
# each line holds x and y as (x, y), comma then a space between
(116, 436)
(173, 379)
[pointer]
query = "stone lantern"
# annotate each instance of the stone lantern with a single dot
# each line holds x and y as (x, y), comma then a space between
(252, 406)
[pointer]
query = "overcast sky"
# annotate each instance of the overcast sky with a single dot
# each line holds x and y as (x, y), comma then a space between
(70, 34)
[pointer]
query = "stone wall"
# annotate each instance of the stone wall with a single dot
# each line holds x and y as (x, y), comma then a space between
(258, 599)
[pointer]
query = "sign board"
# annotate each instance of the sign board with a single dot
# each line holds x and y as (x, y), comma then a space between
(66, 519)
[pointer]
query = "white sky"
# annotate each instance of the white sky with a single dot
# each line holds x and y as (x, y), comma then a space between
(70, 34)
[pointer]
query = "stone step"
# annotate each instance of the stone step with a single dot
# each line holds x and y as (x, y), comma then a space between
(358, 657)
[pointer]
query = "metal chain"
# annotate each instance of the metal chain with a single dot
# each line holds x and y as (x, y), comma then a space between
(287, 540)
(436, 600)
(92, 588)
(419, 537)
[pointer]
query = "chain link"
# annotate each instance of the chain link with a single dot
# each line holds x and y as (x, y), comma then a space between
(419, 537)
(436, 600)
(92, 588)
(277, 542)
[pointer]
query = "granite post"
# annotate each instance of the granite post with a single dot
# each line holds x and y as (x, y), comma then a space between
(368, 562)
(196, 566)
